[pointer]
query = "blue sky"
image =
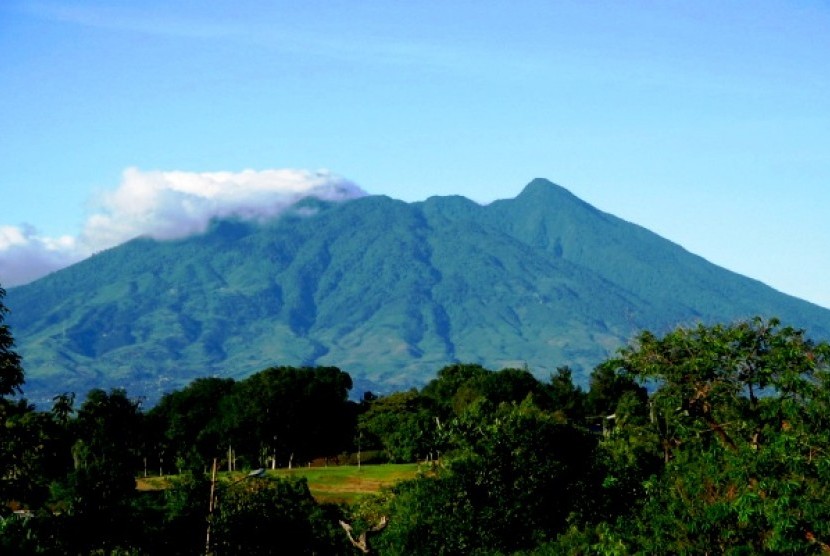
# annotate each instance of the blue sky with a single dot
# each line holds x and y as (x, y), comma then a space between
(706, 122)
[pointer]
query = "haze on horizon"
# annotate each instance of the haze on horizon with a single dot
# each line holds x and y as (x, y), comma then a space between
(707, 124)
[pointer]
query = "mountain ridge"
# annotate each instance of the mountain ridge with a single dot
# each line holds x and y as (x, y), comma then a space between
(386, 290)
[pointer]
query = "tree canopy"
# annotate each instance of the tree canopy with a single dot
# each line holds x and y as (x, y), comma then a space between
(741, 414)
(707, 439)
(11, 370)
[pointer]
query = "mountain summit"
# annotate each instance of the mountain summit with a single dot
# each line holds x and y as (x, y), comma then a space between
(386, 290)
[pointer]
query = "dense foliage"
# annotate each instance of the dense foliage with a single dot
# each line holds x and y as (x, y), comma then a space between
(709, 439)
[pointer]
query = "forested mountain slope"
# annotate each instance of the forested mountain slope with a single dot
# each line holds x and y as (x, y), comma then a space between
(386, 290)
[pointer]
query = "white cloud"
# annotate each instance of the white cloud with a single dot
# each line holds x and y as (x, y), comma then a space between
(164, 205)
(26, 256)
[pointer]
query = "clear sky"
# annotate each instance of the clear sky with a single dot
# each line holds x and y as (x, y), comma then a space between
(706, 122)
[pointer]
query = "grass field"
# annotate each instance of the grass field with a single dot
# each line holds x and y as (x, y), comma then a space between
(345, 483)
(335, 484)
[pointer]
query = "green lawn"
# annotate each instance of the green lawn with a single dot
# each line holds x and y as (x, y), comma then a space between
(345, 483)
(341, 483)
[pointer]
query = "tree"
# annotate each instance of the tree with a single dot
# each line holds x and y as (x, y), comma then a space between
(403, 424)
(275, 516)
(11, 370)
(517, 476)
(455, 387)
(102, 485)
(284, 414)
(565, 396)
(14, 426)
(607, 389)
(30, 444)
(741, 413)
(63, 407)
(512, 386)
(189, 425)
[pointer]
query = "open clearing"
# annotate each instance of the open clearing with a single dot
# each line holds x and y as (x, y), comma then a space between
(346, 483)
(335, 484)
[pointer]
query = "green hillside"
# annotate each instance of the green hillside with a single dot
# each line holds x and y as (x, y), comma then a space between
(387, 291)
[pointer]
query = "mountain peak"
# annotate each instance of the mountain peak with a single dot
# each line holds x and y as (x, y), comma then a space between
(543, 188)
(541, 194)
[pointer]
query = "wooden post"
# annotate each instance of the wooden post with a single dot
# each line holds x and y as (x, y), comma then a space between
(211, 507)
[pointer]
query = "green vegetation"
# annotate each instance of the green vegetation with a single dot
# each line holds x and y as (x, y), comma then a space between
(333, 484)
(704, 440)
(387, 291)
(347, 483)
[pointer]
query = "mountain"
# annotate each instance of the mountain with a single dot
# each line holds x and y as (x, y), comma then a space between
(386, 290)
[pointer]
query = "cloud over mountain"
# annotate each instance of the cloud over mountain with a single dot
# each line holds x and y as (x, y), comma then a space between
(164, 205)
(25, 255)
